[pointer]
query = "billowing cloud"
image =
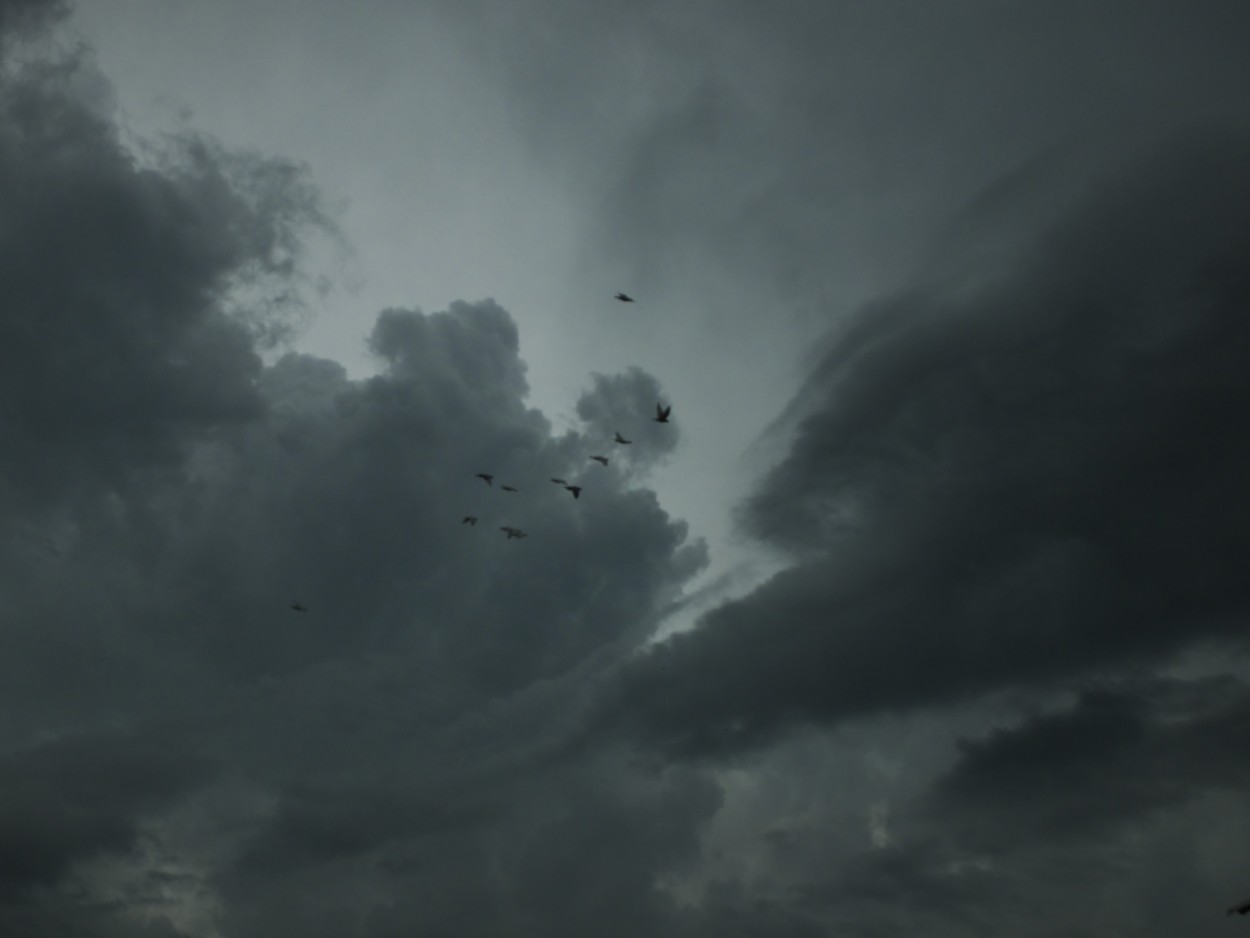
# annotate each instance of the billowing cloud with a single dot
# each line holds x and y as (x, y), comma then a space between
(180, 746)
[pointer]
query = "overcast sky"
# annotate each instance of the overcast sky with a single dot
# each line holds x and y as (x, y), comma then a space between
(927, 614)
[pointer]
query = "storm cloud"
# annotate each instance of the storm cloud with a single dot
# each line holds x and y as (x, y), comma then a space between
(999, 683)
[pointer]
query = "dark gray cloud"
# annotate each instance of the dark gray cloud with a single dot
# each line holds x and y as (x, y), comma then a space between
(1118, 755)
(80, 796)
(1011, 487)
(119, 349)
(19, 17)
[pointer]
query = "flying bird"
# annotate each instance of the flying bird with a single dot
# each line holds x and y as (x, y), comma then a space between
(297, 607)
(1240, 908)
(602, 459)
(621, 439)
(624, 297)
(507, 488)
(558, 481)
(486, 477)
(469, 519)
(661, 413)
(575, 489)
(512, 532)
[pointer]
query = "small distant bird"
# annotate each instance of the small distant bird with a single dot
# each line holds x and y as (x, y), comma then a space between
(661, 413)
(469, 519)
(507, 488)
(512, 532)
(297, 607)
(486, 477)
(621, 439)
(602, 459)
(558, 481)
(624, 297)
(575, 489)
(1240, 908)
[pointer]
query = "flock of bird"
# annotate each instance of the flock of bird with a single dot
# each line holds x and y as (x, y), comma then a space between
(510, 532)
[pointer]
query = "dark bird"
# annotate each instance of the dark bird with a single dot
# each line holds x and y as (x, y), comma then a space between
(558, 481)
(624, 297)
(507, 488)
(512, 532)
(575, 489)
(661, 413)
(297, 607)
(486, 477)
(602, 459)
(469, 519)
(621, 439)
(1240, 908)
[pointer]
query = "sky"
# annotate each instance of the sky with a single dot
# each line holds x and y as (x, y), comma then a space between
(926, 614)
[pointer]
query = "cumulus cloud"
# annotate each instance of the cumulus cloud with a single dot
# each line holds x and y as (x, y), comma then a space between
(179, 747)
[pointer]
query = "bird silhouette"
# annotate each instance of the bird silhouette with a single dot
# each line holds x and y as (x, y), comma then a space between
(507, 488)
(624, 297)
(512, 532)
(558, 481)
(602, 459)
(469, 519)
(486, 477)
(1240, 908)
(575, 489)
(621, 439)
(297, 607)
(661, 413)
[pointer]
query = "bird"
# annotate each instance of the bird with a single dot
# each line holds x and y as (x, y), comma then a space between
(486, 477)
(297, 607)
(512, 532)
(602, 459)
(661, 413)
(1240, 908)
(621, 439)
(469, 519)
(507, 488)
(558, 481)
(575, 489)
(624, 297)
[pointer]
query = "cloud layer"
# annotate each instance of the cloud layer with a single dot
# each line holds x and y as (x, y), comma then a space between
(999, 689)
